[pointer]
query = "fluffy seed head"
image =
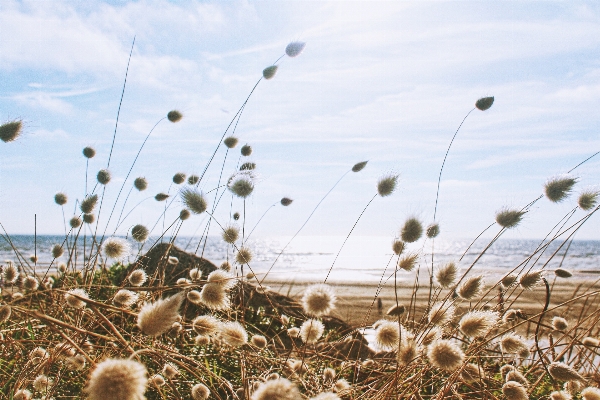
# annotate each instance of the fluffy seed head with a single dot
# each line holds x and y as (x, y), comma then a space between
(484, 103)
(231, 234)
(387, 335)
(205, 325)
(408, 262)
(89, 152)
(103, 176)
(509, 280)
(184, 214)
(341, 386)
(311, 331)
(236, 216)
(514, 391)
(590, 342)
(195, 274)
(509, 218)
(294, 49)
(562, 273)
(530, 279)
(179, 178)
(88, 204)
(5, 311)
(270, 72)
(57, 250)
(398, 246)
(114, 379)
(478, 323)
(225, 266)
(590, 393)
(441, 313)
(60, 198)
(174, 116)
(73, 298)
(243, 256)
(89, 218)
(588, 199)
(318, 300)
(139, 233)
(157, 380)
(116, 248)
(562, 395)
(359, 166)
(241, 184)
(76, 363)
(472, 373)
(221, 278)
(386, 185)
(42, 383)
(278, 389)
(233, 333)
(470, 287)
(30, 283)
(193, 179)
(412, 230)
(259, 341)
(510, 316)
(194, 200)
(560, 324)
(22, 394)
(38, 355)
(214, 296)
(161, 196)
(138, 277)
(512, 343)
(293, 332)
(408, 352)
(157, 318)
(170, 371)
(445, 355)
(75, 222)
(10, 131)
(433, 230)
(230, 142)
(140, 183)
(200, 392)
(33, 258)
(516, 376)
(10, 273)
(201, 340)
(194, 296)
(559, 188)
(286, 201)
(396, 310)
(446, 275)
(563, 372)
(125, 298)
(329, 374)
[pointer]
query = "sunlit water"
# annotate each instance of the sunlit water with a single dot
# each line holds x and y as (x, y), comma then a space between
(362, 259)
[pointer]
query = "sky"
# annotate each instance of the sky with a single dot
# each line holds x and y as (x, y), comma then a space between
(387, 82)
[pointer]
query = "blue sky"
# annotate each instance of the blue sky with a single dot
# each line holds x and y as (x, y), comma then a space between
(387, 82)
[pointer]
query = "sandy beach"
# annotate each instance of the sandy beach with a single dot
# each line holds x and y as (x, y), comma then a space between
(357, 305)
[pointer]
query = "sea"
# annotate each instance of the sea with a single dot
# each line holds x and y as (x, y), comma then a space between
(357, 259)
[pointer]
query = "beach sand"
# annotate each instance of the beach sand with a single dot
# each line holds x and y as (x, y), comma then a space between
(356, 304)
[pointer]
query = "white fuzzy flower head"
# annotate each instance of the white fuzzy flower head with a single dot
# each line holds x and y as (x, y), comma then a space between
(42, 383)
(205, 325)
(157, 318)
(441, 313)
(311, 331)
(214, 297)
(387, 334)
(125, 298)
(318, 300)
(116, 248)
(74, 298)
(233, 333)
(277, 389)
(114, 379)
(30, 283)
(294, 49)
(138, 277)
(445, 355)
(221, 278)
(200, 392)
(478, 323)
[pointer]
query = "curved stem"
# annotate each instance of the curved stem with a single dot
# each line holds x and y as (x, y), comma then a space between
(349, 233)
